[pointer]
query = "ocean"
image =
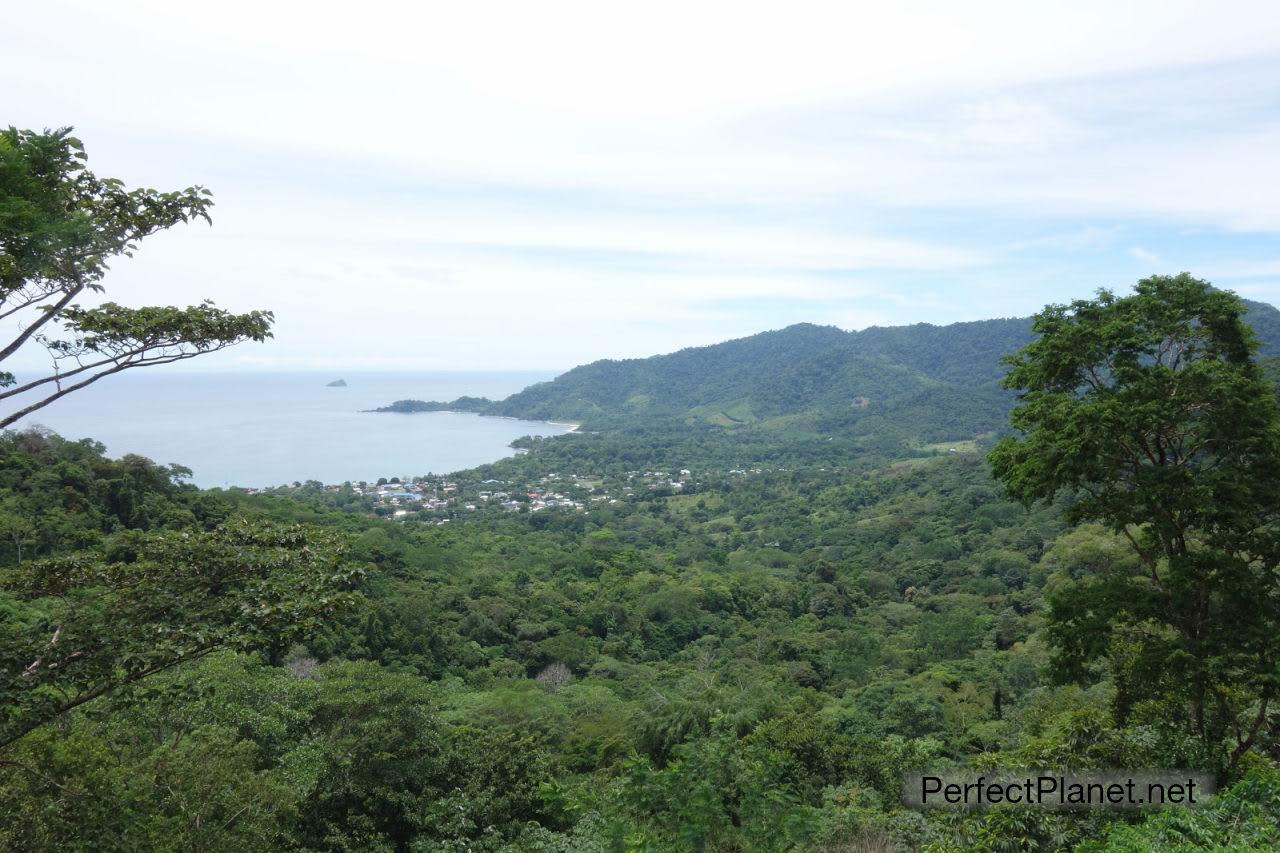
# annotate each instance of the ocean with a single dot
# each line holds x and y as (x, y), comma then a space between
(264, 429)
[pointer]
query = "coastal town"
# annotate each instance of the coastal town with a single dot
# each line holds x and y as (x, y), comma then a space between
(525, 488)
(442, 498)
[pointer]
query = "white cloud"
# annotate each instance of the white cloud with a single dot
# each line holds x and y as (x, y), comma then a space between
(1082, 239)
(593, 176)
(1263, 291)
(1249, 269)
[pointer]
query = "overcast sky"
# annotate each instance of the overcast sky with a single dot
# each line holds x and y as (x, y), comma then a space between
(537, 185)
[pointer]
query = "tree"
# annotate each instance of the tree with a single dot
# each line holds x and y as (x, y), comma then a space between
(1150, 412)
(15, 528)
(75, 628)
(60, 225)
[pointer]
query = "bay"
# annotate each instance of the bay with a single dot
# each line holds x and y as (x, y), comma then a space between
(262, 429)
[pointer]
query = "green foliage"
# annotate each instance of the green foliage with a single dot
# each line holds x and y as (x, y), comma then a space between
(80, 626)
(202, 790)
(58, 496)
(349, 757)
(60, 223)
(1151, 412)
(1243, 818)
(60, 226)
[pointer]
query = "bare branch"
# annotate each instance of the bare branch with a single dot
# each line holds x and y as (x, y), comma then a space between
(48, 315)
(62, 392)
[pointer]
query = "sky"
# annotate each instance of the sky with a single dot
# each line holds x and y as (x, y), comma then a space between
(490, 186)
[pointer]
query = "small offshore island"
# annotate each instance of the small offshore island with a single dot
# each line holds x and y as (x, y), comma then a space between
(337, 383)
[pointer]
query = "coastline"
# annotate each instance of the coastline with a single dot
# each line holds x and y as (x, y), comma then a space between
(572, 427)
(259, 430)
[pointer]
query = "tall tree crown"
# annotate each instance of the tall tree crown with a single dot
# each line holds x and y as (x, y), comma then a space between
(1150, 413)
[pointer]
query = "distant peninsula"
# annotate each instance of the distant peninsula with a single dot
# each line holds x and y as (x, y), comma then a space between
(476, 405)
(337, 383)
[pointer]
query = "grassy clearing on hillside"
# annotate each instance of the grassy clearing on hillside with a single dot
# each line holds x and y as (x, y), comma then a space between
(967, 445)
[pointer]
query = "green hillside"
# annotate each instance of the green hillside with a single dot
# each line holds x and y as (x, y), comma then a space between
(916, 384)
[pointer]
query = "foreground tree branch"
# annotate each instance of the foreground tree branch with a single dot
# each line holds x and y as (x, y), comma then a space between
(128, 338)
(60, 226)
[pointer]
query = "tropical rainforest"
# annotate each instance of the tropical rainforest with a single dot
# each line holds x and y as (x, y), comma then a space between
(831, 559)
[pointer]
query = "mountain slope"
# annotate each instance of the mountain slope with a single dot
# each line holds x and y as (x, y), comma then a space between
(920, 383)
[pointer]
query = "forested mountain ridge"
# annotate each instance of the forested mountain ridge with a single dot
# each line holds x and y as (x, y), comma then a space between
(922, 383)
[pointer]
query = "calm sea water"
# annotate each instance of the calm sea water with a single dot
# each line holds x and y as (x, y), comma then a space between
(263, 429)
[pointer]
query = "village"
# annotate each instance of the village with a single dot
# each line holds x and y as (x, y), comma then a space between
(442, 498)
